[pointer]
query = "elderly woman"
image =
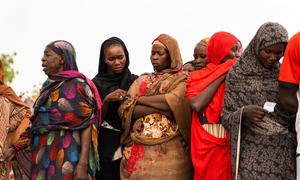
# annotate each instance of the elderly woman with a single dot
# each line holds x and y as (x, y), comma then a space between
(66, 114)
(12, 112)
(200, 59)
(156, 119)
(262, 142)
(205, 89)
(112, 81)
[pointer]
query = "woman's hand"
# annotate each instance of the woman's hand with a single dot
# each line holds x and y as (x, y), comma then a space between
(117, 95)
(254, 113)
(81, 171)
(9, 154)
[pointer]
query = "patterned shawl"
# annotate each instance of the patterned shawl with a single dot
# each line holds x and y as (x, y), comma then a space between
(73, 116)
(248, 82)
(170, 82)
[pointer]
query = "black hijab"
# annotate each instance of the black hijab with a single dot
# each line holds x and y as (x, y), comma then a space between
(106, 83)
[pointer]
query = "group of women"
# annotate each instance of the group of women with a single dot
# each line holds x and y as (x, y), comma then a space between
(201, 120)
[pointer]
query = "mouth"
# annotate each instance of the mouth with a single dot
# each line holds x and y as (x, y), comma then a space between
(199, 66)
(154, 64)
(120, 69)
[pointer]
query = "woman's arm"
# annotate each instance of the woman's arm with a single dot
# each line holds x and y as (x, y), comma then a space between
(288, 99)
(157, 102)
(200, 101)
(142, 110)
(81, 171)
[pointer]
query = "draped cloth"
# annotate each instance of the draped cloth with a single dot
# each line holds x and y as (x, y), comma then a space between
(264, 149)
(152, 158)
(109, 140)
(210, 154)
(13, 112)
(68, 103)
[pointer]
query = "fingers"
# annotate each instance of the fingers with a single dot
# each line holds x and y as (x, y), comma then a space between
(117, 95)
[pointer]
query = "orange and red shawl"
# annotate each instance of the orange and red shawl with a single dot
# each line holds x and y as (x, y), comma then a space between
(211, 155)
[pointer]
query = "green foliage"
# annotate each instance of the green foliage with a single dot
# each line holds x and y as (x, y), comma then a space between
(8, 61)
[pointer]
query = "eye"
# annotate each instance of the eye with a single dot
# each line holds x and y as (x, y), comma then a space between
(268, 51)
(203, 56)
(120, 57)
(111, 59)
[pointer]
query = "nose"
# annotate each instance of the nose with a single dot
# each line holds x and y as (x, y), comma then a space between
(273, 57)
(117, 61)
(154, 56)
(197, 60)
(43, 61)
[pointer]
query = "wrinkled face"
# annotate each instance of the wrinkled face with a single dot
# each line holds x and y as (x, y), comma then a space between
(234, 52)
(200, 59)
(52, 63)
(115, 59)
(270, 56)
(160, 58)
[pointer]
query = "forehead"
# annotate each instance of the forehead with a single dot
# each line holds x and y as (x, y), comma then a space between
(158, 47)
(49, 51)
(277, 46)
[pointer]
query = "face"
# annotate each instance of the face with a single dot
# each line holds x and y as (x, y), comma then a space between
(115, 59)
(270, 56)
(200, 59)
(160, 58)
(51, 62)
(234, 52)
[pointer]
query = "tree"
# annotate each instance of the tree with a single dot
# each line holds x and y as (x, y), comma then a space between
(7, 61)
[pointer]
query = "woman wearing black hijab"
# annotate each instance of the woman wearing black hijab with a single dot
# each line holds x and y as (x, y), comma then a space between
(112, 81)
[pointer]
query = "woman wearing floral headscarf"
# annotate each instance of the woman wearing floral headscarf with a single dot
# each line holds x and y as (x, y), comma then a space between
(262, 143)
(156, 119)
(65, 120)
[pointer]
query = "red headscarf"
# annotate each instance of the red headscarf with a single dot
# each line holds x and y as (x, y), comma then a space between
(219, 46)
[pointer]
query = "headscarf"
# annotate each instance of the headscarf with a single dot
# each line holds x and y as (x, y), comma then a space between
(204, 41)
(172, 46)
(9, 93)
(170, 82)
(219, 46)
(105, 82)
(66, 50)
(248, 82)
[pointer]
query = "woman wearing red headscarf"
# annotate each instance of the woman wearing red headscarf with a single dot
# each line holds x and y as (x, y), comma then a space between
(210, 148)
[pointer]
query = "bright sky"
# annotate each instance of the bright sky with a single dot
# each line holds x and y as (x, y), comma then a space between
(28, 26)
